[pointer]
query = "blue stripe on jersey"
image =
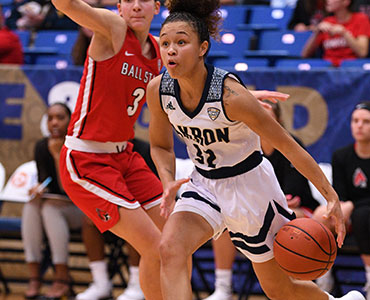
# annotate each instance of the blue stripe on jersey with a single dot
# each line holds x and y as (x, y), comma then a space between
(196, 196)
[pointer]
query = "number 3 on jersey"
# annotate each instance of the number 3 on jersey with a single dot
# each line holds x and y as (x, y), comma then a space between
(139, 94)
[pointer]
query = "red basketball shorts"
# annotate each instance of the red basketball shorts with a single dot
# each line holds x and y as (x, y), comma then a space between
(99, 183)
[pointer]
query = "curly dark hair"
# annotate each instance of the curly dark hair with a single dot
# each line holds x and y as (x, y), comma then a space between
(203, 15)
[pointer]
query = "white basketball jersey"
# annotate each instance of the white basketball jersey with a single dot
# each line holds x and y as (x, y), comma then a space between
(213, 140)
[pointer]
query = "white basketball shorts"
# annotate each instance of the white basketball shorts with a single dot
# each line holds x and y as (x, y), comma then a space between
(251, 206)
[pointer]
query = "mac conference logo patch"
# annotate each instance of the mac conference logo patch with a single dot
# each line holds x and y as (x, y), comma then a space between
(213, 113)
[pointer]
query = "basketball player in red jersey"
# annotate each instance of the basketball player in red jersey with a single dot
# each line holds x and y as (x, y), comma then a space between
(110, 183)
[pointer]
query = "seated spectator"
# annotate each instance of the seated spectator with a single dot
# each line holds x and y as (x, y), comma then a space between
(49, 211)
(10, 46)
(37, 15)
(351, 174)
(298, 194)
(344, 35)
(307, 15)
(81, 45)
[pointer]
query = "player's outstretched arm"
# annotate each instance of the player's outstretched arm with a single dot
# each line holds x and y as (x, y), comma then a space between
(241, 105)
(99, 20)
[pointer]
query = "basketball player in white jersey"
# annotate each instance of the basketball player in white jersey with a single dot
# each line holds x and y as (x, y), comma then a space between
(232, 186)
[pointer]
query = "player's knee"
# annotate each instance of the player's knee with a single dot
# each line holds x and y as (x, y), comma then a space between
(171, 253)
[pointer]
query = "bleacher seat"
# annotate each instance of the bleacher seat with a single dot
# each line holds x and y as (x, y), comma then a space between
(282, 43)
(302, 64)
(5, 2)
(51, 42)
(24, 37)
(267, 18)
(57, 61)
(232, 44)
(357, 63)
(233, 16)
(61, 40)
(158, 19)
(241, 64)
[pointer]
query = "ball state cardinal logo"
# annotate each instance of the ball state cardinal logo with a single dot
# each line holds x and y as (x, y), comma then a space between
(359, 178)
(103, 215)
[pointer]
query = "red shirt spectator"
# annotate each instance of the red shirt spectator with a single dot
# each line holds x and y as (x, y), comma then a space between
(335, 46)
(11, 51)
(345, 35)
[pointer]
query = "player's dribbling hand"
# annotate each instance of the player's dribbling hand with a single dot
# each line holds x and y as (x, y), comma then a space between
(334, 211)
(169, 196)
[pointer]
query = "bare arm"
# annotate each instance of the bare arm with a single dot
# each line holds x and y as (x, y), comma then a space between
(310, 47)
(241, 105)
(359, 45)
(106, 25)
(161, 147)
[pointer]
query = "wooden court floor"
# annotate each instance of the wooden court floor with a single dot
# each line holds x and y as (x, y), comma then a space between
(18, 289)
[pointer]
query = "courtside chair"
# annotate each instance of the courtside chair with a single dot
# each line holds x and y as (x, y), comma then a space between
(363, 63)
(241, 64)
(302, 64)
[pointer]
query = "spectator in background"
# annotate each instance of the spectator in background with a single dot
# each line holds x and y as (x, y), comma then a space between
(307, 15)
(81, 45)
(51, 213)
(351, 180)
(298, 194)
(10, 46)
(38, 15)
(344, 35)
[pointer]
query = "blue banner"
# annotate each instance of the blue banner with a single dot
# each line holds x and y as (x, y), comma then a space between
(318, 111)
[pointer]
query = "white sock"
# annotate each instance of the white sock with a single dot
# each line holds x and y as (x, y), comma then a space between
(99, 271)
(134, 275)
(223, 280)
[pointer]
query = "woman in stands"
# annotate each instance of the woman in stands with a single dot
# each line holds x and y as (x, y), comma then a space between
(232, 186)
(351, 174)
(52, 213)
(344, 35)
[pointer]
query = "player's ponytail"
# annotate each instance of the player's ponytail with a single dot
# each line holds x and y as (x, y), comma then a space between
(203, 15)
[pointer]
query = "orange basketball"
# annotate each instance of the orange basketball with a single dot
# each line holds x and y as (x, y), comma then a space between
(305, 249)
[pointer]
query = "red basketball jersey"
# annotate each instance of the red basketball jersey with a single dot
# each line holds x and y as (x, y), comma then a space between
(112, 93)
